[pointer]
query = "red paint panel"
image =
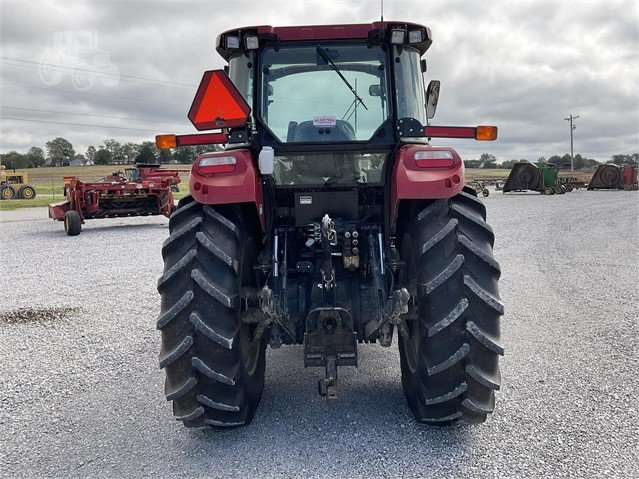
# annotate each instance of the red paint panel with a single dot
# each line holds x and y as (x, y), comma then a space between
(57, 210)
(449, 132)
(239, 186)
(205, 139)
(217, 103)
(411, 182)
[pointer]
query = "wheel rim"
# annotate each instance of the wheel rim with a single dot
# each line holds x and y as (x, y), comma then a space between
(27, 193)
(66, 224)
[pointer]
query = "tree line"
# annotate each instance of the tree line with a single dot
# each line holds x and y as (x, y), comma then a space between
(60, 152)
(486, 160)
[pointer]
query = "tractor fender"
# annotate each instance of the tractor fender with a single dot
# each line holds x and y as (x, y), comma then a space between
(412, 182)
(242, 185)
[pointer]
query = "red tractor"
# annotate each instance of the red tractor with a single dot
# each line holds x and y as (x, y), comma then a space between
(329, 220)
(139, 193)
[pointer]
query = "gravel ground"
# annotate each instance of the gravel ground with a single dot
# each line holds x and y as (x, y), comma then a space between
(81, 394)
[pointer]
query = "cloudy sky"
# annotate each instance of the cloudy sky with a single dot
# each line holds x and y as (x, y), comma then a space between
(523, 66)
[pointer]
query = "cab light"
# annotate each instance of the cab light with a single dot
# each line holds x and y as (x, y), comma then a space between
(486, 133)
(415, 36)
(251, 42)
(434, 159)
(165, 141)
(233, 43)
(210, 165)
(397, 36)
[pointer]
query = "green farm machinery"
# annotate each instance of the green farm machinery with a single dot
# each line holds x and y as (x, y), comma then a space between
(526, 176)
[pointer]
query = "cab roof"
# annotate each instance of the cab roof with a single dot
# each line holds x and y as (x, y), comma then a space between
(379, 31)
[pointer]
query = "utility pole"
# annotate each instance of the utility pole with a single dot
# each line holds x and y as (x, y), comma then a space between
(572, 127)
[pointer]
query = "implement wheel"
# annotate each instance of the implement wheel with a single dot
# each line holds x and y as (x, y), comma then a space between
(485, 193)
(72, 223)
(7, 193)
(214, 367)
(26, 193)
(450, 361)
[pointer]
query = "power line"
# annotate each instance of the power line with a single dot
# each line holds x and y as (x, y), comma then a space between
(110, 97)
(77, 124)
(151, 80)
(94, 115)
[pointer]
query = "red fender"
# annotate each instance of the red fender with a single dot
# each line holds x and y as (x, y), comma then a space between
(242, 185)
(412, 182)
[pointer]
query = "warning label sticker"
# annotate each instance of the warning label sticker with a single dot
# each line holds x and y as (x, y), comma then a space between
(324, 120)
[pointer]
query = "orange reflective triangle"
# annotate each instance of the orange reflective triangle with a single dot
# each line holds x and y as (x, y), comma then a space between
(217, 103)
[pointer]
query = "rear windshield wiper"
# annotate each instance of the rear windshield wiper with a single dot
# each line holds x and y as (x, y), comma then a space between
(327, 59)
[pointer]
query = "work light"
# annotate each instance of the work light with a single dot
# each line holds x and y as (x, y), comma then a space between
(397, 35)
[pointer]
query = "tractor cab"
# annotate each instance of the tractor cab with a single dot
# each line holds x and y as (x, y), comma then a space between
(328, 106)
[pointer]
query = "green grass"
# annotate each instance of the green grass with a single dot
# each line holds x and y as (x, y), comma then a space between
(7, 205)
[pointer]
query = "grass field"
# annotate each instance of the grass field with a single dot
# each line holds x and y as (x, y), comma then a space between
(49, 181)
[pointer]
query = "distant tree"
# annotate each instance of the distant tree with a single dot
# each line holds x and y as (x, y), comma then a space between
(90, 154)
(471, 163)
(508, 165)
(102, 157)
(59, 151)
(630, 159)
(13, 159)
(486, 160)
(184, 155)
(146, 154)
(166, 156)
(115, 148)
(130, 151)
(35, 157)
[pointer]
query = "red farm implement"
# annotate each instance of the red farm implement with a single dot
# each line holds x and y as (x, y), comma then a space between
(154, 173)
(614, 177)
(142, 193)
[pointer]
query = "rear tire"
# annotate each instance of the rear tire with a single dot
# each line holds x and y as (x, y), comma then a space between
(72, 223)
(450, 362)
(7, 193)
(214, 371)
(26, 193)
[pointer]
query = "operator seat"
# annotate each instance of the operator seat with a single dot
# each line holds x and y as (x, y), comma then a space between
(307, 132)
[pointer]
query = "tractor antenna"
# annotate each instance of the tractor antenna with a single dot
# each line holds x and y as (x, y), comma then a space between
(382, 9)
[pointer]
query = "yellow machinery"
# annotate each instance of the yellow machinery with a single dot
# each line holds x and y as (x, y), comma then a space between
(14, 184)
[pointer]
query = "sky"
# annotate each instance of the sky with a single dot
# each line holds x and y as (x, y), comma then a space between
(523, 66)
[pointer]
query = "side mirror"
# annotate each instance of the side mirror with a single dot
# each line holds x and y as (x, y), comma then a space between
(375, 90)
(423, 65)
(432, 97)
